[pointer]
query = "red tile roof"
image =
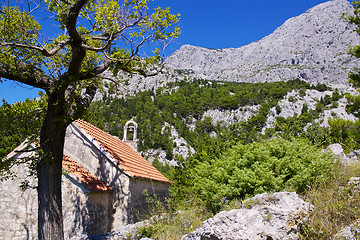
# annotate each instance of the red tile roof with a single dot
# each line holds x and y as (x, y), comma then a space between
(128, 159)
(83, 175)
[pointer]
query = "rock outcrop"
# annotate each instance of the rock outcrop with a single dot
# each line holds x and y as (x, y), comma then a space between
(265, 216)
(292, 104)
(180, 147)
(344, 159)
(228, 117)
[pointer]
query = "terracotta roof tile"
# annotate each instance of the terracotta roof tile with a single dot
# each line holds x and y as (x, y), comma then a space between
(83, 175)
(128, 159)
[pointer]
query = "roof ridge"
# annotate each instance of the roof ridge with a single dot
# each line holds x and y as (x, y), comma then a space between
(132, 162)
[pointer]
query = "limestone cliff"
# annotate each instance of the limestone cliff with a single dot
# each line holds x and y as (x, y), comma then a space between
(313, 47)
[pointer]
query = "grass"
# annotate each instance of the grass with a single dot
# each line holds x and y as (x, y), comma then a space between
(336, 203)
(170, 225)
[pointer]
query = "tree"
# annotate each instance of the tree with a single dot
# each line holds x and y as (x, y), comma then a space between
(97, 35)
(18, 122)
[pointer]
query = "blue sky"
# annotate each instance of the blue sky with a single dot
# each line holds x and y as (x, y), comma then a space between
(211, 24)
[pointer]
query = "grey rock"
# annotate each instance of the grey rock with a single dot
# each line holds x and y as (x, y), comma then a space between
(265, 216)
(181, 148)
(354, 155)
(354, 184)
(351, 232)
(126, 232)
(313, 47)
(337, 150)
(348, 159)
(228, 117)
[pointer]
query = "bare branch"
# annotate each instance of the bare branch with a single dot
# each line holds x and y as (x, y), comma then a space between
(42, 50)
(108, 43)
(32, 10)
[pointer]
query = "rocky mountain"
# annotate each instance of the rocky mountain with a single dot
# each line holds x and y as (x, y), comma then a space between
(312, 46)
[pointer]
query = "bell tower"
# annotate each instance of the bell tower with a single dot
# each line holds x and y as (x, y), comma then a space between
(130, 131)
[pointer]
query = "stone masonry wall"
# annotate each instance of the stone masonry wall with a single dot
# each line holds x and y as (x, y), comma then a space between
(18, 209)
(140, 190)
(84, 212)
(84, 152)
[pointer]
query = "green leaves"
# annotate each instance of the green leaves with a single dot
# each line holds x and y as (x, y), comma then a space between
(272, 165)
(106, 16)
(88, 46)
(18, 121)
(17, 27)
(161, 19)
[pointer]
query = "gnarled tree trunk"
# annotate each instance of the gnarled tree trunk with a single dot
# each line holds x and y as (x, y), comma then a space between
(50, 220)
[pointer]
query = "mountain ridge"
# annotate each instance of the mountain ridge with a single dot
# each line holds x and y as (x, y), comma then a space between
(312, 46)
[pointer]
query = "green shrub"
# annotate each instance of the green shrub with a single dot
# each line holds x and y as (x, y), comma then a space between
(271, 165)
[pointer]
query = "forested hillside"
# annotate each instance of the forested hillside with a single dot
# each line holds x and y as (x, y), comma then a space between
(179, 108)
(183, 104)
(235, 160)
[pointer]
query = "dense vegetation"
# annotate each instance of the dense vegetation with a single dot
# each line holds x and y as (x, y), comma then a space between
(183, 103)
(18, 122)
(272, 165)
(232, 162)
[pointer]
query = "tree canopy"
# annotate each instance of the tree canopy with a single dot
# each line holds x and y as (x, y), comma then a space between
(90, 37)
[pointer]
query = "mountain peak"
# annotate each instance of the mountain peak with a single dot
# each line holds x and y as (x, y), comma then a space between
(312, 46)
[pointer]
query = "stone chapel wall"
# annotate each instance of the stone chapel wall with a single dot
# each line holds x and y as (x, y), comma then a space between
(84, 152)
(140, 190)
(18, 209)
(84, 212)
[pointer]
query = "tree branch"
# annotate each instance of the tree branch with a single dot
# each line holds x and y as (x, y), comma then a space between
(108, 43)
(32, 10)
(27, 75)
(78, 52)
(42, 50)
(98, 70)
(83, 102)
